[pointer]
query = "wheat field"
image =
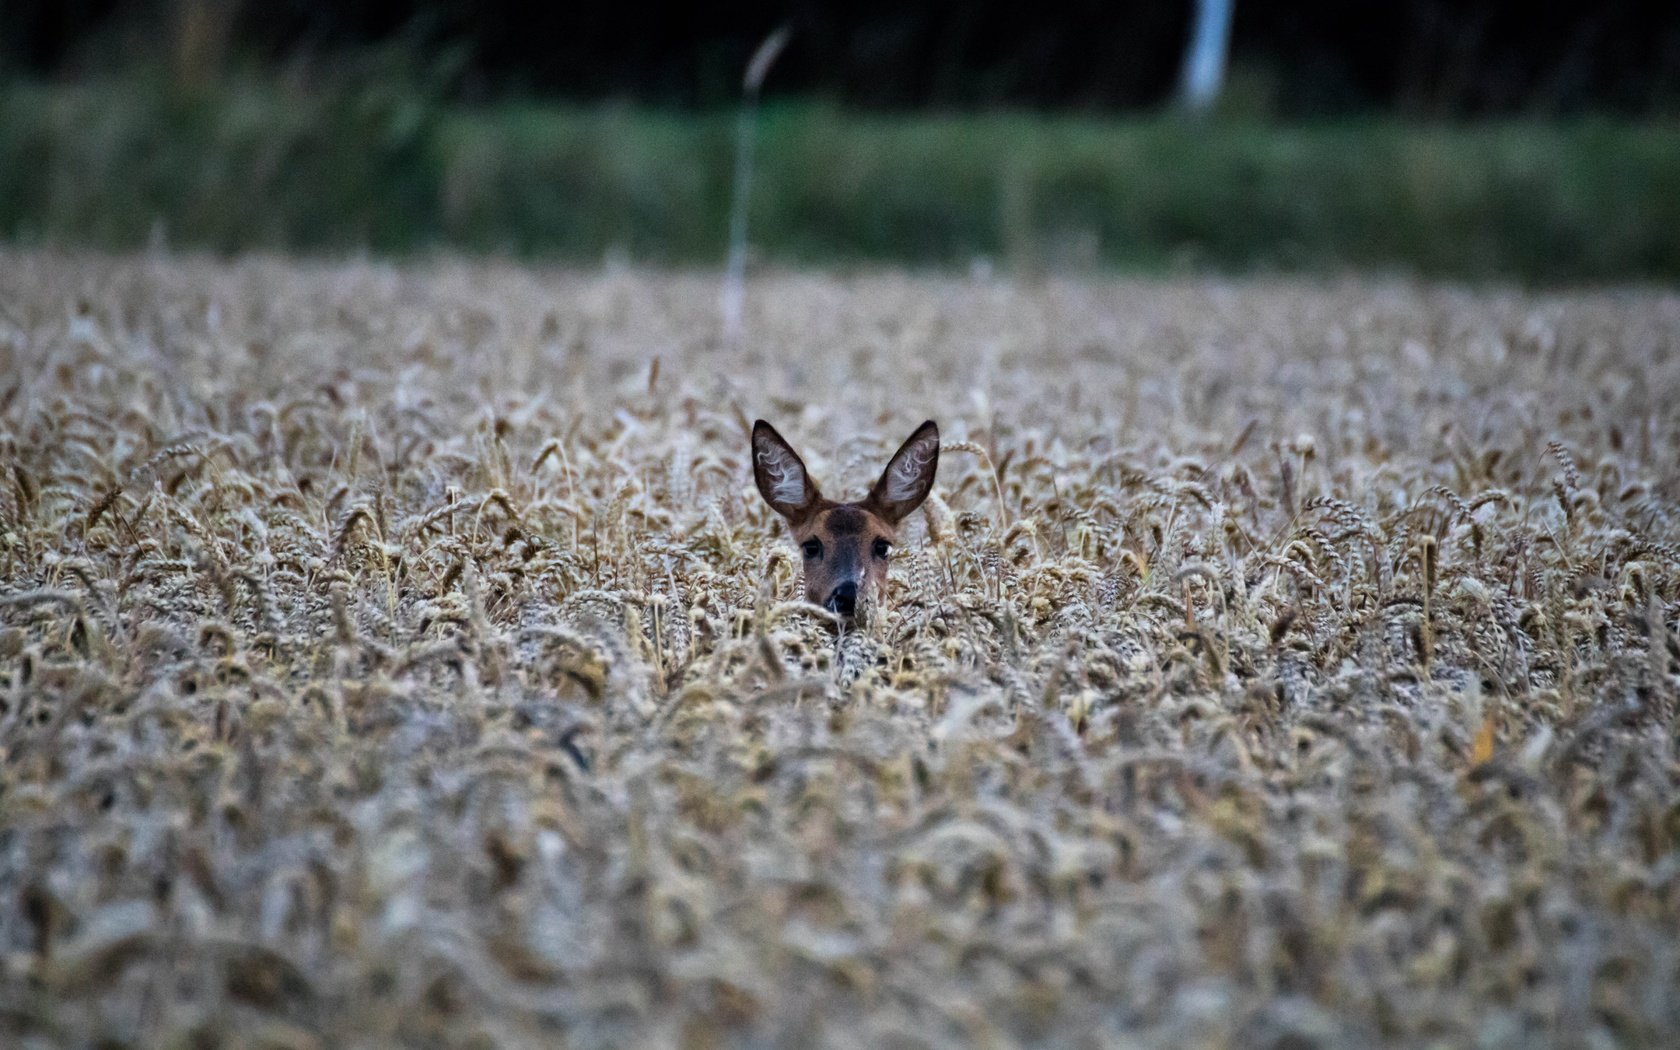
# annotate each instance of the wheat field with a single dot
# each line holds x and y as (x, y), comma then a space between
(402, 656)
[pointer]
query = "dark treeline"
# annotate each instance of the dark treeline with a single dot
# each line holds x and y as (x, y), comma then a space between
(1433, 58)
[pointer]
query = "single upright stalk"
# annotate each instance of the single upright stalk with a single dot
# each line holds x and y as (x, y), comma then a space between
(735, 273)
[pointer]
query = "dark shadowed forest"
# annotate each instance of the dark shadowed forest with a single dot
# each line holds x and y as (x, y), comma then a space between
(1307, 57)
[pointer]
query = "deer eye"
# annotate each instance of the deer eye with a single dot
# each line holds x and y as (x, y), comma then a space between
(881, 548)
(813, 548)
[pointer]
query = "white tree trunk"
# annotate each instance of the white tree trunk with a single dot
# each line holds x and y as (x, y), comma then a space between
(1204, 60)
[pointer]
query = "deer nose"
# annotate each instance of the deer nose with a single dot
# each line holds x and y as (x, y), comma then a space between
(844, 599)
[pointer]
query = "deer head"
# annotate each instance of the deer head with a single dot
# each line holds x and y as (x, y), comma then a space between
(845, 545)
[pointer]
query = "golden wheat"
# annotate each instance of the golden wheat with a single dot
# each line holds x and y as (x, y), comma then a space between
(403, 656)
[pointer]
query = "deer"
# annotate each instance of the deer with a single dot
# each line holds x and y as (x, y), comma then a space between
(845, 545)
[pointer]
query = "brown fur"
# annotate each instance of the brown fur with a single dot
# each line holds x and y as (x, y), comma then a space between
(845, 544)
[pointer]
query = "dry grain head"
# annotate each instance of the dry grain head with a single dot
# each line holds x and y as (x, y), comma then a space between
(353, 691)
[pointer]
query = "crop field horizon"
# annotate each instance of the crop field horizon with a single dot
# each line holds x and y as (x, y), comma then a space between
(402, 655)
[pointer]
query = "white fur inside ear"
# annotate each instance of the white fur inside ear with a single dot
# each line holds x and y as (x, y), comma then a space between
(785, 474)
(907, 475)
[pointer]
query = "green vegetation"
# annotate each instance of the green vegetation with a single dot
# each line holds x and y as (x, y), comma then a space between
(387, 167)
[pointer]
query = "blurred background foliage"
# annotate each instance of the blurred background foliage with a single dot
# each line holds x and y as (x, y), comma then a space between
(1477, 139)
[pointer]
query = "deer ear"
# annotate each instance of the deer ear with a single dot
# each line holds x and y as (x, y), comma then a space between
(909, 475)
(782, 478)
